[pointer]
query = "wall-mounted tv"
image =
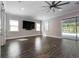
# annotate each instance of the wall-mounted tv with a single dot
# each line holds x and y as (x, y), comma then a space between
(28, 25)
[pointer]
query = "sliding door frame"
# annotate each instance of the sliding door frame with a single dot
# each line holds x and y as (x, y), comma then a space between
(76, 28)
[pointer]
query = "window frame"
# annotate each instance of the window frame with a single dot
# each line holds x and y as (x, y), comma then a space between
(36, 25)
(16, 26)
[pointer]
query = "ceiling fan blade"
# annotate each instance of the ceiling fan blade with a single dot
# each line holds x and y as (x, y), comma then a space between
(48, 3)
(53, 2)
(45, 6)
(63, 4)
(53, 9)
(58, 2)
(58, 7)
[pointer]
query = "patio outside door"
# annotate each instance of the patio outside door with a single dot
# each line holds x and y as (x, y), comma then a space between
(69, 28)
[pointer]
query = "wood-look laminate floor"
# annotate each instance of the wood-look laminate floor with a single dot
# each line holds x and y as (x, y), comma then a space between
(40, 47)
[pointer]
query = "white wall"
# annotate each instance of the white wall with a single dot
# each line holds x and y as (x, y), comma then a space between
(44, 27)
(3, 27)
(54, 25)
(22, 32)
(54, 28)
(0, 32)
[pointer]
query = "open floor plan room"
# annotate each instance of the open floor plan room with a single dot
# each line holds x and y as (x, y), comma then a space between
(39, 29)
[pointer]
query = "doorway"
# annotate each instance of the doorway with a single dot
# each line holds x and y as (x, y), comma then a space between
(70, 28)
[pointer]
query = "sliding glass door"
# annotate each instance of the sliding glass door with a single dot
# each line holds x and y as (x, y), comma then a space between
(69, 28)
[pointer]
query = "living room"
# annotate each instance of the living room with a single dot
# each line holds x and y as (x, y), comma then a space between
(39, 29)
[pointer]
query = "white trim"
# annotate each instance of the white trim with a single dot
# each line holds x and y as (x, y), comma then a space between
(34, 35)
(54, 36)
(22, 36)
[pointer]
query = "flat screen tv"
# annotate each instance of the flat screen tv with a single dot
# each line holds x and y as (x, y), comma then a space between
(28, 25)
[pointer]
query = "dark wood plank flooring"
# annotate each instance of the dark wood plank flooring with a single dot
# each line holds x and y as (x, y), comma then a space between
(40, 47)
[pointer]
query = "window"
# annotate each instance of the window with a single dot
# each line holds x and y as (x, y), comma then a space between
(13, 25)
(37, 26)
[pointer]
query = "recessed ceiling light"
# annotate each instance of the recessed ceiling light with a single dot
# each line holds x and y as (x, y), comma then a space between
(22, 8)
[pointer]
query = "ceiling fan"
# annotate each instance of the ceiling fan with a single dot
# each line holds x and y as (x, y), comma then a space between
(55, 4)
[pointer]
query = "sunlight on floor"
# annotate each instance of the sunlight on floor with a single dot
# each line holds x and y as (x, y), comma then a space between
(14, 49)
(38, 44)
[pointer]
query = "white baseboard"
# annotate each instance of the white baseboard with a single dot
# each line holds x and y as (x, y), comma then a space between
(54, 37)
(33, 35)
(22, 36)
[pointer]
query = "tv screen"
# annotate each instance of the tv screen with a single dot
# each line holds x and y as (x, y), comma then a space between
(28, 25)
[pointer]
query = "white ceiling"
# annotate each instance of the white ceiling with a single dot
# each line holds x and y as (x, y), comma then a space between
(35, 9)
